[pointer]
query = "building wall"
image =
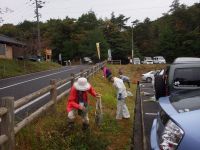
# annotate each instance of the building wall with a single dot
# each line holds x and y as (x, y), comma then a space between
(8, 53)
(19, 51)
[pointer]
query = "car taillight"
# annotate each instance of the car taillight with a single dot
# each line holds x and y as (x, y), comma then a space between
(171, 136)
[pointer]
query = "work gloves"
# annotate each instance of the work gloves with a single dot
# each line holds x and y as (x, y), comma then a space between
(120, 96)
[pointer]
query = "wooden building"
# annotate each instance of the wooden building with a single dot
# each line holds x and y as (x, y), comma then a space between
(11, 48)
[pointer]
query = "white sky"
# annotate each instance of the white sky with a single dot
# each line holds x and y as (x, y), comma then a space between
(136, 9)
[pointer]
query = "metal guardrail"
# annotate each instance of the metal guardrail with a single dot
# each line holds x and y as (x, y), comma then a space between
(8, 106)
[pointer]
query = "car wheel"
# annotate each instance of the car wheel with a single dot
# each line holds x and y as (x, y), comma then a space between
(149, 79)
(159, 87)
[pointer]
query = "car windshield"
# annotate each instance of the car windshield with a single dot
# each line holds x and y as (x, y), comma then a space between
(186, 100)
(148, 58)
(187, 77)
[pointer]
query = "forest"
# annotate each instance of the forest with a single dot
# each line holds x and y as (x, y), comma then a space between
(175, 34)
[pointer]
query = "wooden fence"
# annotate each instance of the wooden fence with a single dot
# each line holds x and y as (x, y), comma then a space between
(114, 62)
(8, 105)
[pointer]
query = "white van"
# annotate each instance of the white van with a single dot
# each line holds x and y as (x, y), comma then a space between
(159, 60)
(136, 60)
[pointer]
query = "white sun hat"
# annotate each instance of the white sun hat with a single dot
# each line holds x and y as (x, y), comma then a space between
(82, 84)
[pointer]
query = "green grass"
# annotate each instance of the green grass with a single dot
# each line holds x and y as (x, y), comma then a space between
(10, 68)
(49, 132)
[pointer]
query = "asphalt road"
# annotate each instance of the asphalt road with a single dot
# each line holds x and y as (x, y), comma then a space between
(21, 86)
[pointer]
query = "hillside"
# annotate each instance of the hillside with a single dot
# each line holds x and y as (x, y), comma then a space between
(10, 68)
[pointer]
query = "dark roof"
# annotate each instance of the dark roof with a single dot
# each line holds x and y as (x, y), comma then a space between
(7, 40)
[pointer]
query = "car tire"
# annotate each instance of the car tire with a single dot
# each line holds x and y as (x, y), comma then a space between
(148, 80)
(159, 87)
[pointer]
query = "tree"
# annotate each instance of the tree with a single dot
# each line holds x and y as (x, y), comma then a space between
(174, 6)
(88, 45)
(119, 21)
(88, 21)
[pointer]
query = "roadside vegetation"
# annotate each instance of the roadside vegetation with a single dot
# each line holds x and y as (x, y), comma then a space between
(10, 68)
(49, 132)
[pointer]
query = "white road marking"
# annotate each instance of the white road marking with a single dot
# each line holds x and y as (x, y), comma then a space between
(2, 88)
(151, 114)
(149, 100)
(37, 99)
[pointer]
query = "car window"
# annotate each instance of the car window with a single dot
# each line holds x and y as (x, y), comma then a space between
(186, 100)
(187, 77)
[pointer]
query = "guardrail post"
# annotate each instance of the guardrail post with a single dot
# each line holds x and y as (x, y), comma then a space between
(53, 93)
(82, 74)
(72, 79)
(88, 73)
(93, 70)
(7, 123)
(99, 66)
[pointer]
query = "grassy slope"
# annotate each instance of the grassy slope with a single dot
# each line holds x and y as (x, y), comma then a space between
(50, 133)
(9, 68)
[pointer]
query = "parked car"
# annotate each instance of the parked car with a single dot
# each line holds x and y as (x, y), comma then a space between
(182, 73)
(159, 60)
(148, 60)
(35, 58)
(149, 76)
(21, 58)
(177, 123)
(87, 60)
(136, 60)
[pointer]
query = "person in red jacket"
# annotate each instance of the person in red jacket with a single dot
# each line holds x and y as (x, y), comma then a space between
(78, 100)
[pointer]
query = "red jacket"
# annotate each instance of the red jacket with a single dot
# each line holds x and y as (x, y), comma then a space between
(72, 102)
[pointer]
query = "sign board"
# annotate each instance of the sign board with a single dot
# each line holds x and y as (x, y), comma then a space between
(48, 52)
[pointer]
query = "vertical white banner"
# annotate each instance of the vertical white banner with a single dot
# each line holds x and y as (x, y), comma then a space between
(60, 57)
(109, 55)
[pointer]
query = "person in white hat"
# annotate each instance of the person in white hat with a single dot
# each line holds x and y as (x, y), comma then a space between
(78, 100)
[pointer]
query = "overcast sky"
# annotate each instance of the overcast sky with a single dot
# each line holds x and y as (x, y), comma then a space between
(136, 9)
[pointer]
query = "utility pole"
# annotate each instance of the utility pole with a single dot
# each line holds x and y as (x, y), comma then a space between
(38, 29)
(133, 23)
(132, 52)
(38, 5)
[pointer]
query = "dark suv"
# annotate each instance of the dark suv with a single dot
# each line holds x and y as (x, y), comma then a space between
(183, 73)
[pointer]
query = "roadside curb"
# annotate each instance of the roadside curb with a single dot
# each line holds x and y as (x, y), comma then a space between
(142, 121)
(137, 141)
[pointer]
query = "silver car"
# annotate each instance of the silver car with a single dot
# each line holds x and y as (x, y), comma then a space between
(149, 76)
